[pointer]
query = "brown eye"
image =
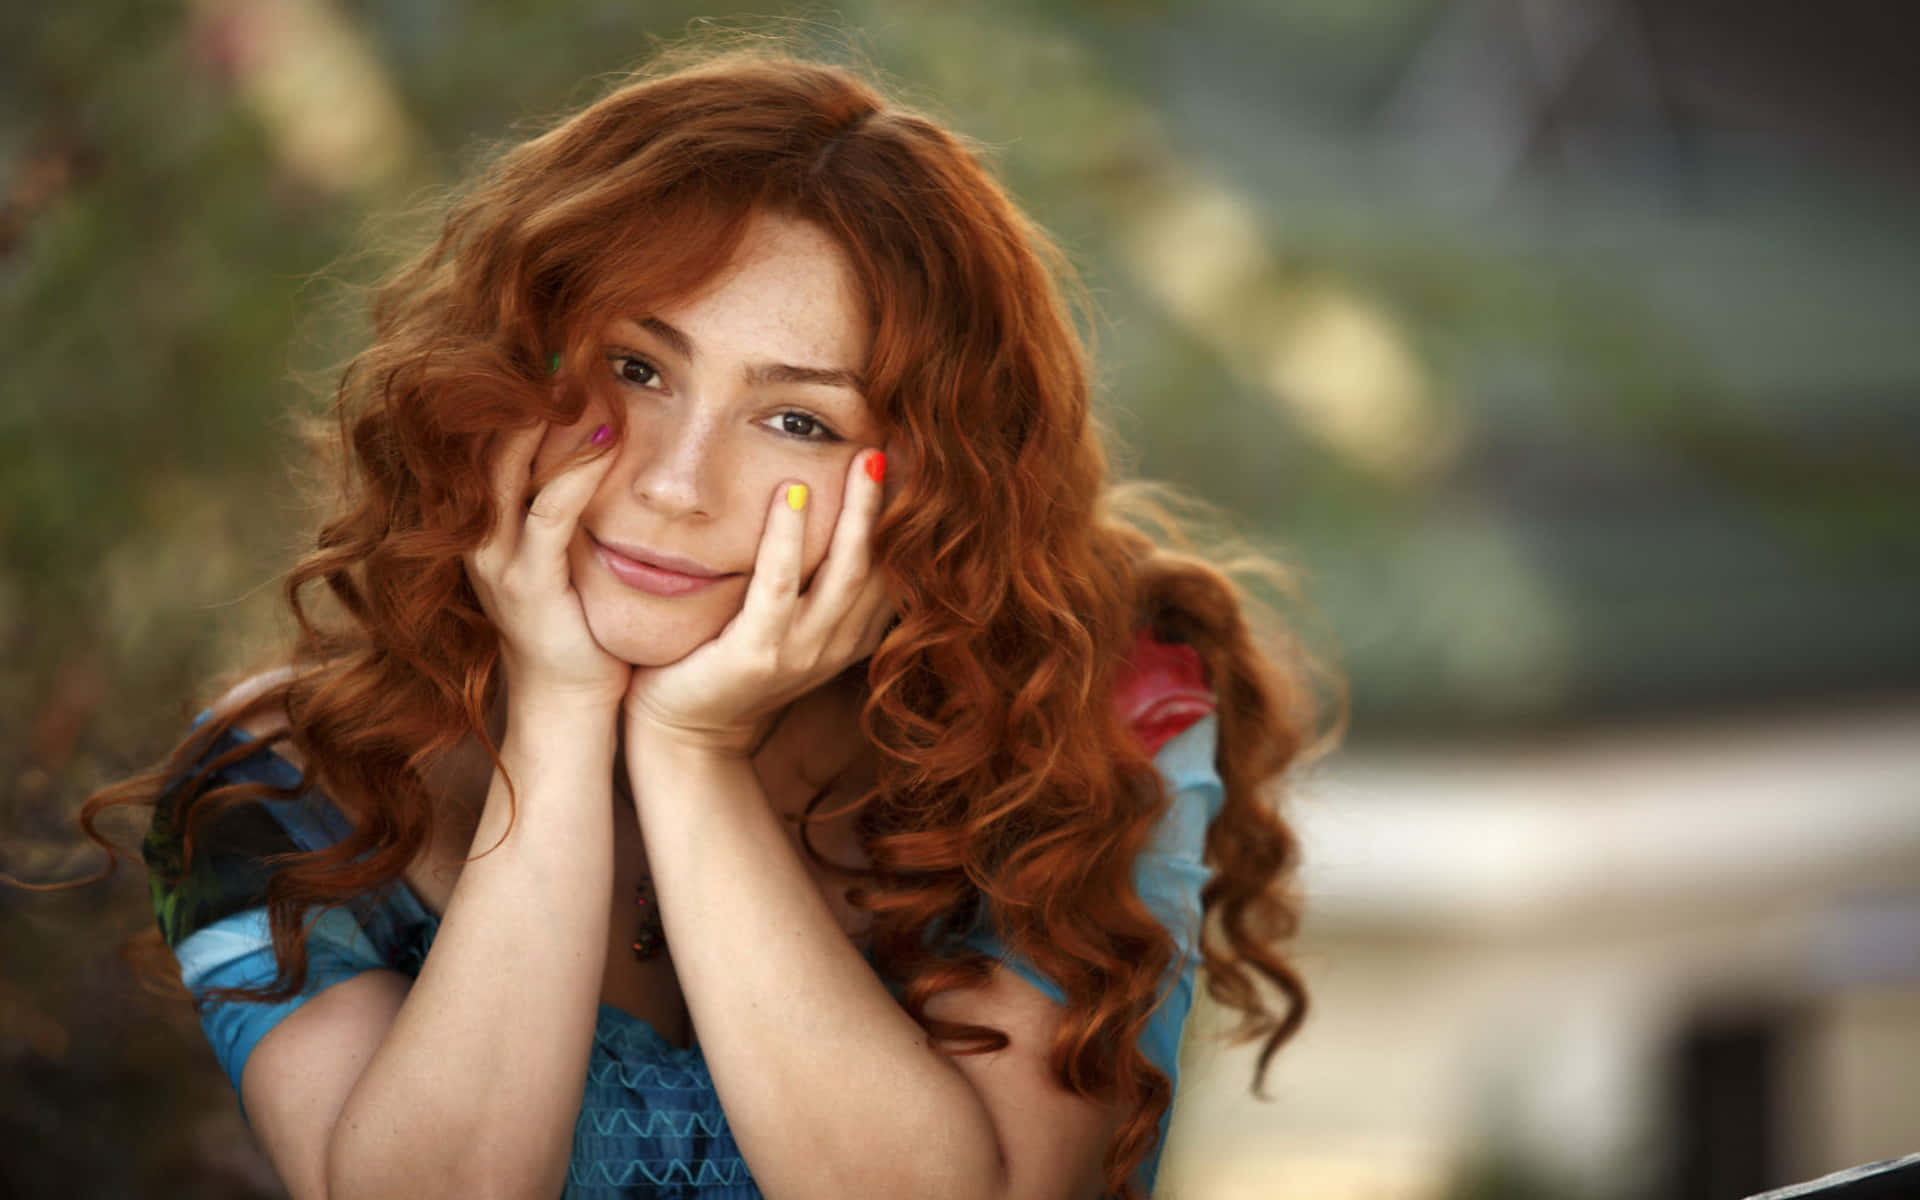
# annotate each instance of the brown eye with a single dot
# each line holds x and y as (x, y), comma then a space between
(805, 426)
(634, 371)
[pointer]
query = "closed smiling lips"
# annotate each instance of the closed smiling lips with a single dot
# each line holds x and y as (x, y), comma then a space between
(651, 571)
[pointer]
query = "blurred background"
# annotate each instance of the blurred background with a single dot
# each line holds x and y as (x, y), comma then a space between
(1568, 348)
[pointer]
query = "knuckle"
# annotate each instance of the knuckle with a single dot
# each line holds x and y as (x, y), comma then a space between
(763, 661)
(514, 580)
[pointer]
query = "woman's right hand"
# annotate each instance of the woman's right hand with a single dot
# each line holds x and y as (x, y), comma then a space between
(522, 578)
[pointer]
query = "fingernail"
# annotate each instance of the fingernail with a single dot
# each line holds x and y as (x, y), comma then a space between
(553, 365)
(796, 496)
(877, 466)
(601, 435)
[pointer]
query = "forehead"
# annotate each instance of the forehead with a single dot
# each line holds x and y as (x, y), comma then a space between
(789, 295)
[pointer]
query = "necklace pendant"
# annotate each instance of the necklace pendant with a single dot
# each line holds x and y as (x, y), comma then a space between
(651, 936)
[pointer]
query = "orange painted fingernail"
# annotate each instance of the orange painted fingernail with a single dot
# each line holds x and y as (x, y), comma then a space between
(877, 466)
(796, 496)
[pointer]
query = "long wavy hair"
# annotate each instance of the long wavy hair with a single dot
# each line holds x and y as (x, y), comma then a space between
(1008, 788)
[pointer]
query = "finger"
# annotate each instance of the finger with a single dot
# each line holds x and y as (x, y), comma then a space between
(872, 618)
(774, 588)
(850, 555)
(513, 467)
(507, 479)
(555, 512)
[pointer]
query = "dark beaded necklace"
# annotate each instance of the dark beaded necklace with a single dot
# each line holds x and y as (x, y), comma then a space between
(651, 938)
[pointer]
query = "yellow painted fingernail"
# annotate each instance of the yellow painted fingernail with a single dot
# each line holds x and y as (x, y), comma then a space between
(796, 496)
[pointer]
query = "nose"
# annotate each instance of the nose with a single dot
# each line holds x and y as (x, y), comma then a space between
(677, 459)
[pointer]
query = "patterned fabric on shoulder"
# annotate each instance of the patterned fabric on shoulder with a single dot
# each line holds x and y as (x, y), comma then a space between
(234, 850)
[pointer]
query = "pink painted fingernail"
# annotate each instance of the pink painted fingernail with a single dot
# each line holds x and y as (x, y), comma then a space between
(601, 435)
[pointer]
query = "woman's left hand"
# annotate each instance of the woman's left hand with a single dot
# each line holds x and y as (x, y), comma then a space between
(781, 644)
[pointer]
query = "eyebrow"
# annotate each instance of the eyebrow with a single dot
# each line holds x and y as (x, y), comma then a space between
(760, 374)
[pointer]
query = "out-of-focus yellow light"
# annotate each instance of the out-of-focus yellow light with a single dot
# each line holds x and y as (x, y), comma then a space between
(1198, 249)
(314, 83)
(1338, 365)
(1346, 374)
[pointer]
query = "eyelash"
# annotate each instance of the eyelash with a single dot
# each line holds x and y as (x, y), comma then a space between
(620, 358)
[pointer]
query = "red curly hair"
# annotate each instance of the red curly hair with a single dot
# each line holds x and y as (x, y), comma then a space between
(1009, 790)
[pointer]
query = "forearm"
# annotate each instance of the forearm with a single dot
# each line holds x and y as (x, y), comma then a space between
(476, 1087)
(830, 1088)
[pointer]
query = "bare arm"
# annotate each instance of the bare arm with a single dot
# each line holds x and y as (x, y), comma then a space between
(468, 1082)
(830, 1088)
(479, 1078)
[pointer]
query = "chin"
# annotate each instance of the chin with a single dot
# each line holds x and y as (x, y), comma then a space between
(656, 633)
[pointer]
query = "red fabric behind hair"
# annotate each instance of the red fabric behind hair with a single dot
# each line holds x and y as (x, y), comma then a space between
(1163, 691)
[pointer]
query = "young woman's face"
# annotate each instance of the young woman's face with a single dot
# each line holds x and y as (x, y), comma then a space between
(749, 385)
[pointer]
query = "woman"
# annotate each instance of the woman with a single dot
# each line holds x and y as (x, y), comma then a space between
(733, 691)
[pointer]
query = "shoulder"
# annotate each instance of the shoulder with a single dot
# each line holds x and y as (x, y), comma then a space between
(1052, 1140)
(265, 723)
(206, 864)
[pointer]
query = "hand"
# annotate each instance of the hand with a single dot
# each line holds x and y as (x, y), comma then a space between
(522, 578)
(781, 644)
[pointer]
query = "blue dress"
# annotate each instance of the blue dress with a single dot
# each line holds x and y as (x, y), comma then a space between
(650, 1119)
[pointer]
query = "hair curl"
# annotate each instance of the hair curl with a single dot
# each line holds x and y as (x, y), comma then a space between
(1007, 788)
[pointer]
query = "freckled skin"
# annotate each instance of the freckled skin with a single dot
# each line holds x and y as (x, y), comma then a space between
(705, 453)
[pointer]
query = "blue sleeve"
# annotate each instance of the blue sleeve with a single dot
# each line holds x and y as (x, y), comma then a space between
(237, 951)
(1169, 875)
(211, 906)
